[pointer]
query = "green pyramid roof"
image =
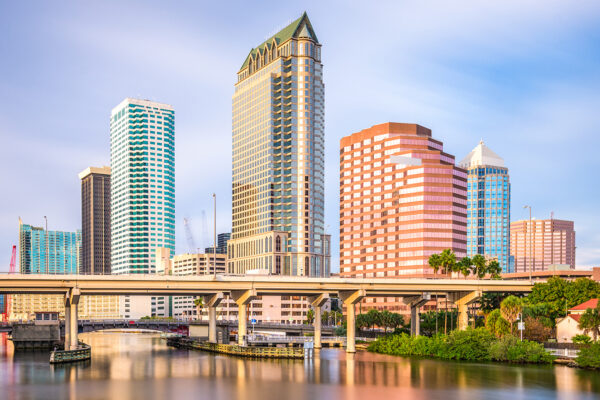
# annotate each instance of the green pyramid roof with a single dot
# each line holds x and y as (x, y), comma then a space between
(283, 35)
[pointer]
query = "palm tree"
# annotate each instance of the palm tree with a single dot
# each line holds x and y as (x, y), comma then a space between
(480, 265)
(510, 308)
(590, 321)
(447, 260)
(464, 266)
(199, 303)
(435, 262)
(310, 316)
(494, 269)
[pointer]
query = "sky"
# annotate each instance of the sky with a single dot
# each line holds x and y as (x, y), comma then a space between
(524, 76)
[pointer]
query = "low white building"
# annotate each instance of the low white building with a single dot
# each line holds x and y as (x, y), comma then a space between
(568, 326)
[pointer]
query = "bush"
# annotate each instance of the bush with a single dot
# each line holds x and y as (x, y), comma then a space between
(589, 356)
(470, 345)
(511, 349)
(581, 339)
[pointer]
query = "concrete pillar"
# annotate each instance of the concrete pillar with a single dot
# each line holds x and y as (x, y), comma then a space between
(415, 303)
(212, 302)
(67, 322)
(415, 321)
(74, 299)
(317, 303)
(74, 328)
(350, 298)
(462, 301)
(242, 298)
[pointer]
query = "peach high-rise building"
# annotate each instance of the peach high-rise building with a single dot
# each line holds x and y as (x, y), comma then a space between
(552, 242)
(401, 199)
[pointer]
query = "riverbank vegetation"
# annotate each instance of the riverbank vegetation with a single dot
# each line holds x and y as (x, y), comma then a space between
(589, 356)
(469, 345)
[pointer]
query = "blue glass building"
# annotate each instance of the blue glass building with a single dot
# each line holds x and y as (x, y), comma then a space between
(488, 206)
(48, 252)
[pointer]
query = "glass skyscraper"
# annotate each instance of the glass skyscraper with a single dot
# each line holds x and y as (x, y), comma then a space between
(488, 206)
(142, 198)
(48, 252)
(278, 157)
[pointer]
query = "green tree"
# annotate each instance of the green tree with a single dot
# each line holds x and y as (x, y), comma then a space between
(435, 262)
(397, 321)
(590, 322)
(373, 318)
(199, 303)
(361, 321)
(493, 269)
(387, 319)
(479, 266)
(561, 295)
(495, 323)
(325, 317)
(464, 266)
(510, 308)
(310, 317)
(447, 261)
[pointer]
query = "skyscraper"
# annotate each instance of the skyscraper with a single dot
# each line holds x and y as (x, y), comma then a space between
(48, 252)
(222, 239)
(278, 157)
(142, 198)
(488, 206)
(540, 243)
(401, 199)
(95, 221)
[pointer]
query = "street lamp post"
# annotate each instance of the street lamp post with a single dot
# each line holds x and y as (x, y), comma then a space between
(530, 246)
(215, 234)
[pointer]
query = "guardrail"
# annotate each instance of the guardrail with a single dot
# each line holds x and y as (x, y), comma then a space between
(301, 339)
(563, 353)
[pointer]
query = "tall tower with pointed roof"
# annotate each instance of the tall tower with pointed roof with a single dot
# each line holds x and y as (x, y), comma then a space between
(488, 206)
(278, 157)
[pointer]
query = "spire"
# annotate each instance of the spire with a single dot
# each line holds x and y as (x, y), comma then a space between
(480, 156)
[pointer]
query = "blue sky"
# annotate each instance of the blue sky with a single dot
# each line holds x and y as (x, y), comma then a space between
(522, 75)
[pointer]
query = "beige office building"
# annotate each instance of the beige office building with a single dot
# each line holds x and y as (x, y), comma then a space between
(24, 306)
(286, 309)
(542, 243)
(278, 157)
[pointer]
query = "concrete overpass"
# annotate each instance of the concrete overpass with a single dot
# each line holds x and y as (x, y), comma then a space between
(244, 289)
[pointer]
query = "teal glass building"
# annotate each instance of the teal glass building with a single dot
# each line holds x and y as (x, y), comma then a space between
(48, 252)
(488, 206)
(142, 143)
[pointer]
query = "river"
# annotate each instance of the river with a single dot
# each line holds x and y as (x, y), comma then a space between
(141, 366)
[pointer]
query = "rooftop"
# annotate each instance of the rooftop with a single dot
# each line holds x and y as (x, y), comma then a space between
(480, 156)
(301, 27)
(592, 303)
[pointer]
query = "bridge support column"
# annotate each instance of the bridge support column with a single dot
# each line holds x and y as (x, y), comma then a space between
(462, 301)
(212, 302)
(415, 303)
(350, 298)
(318, 302)
(242, 298)
(67, 322)
(74, 300)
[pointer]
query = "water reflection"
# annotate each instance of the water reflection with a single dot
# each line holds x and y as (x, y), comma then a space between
(126, 365)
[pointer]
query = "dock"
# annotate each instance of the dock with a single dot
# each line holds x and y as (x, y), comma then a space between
(237, 350)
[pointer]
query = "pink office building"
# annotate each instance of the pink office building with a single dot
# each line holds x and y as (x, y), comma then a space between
(541, 243)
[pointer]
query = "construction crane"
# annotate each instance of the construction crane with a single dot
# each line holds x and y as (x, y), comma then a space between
(12, 270)
(188, 235)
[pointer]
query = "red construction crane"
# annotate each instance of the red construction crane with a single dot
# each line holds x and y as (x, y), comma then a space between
(12, 270)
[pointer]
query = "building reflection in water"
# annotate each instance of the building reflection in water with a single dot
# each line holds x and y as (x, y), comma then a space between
(127, 365)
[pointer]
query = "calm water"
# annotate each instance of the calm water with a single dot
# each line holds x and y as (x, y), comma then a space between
(140, 366)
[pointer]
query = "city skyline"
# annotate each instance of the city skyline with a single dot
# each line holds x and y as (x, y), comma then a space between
(444, 97)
